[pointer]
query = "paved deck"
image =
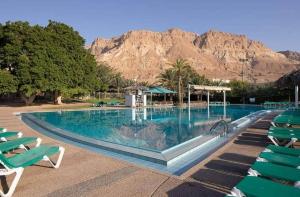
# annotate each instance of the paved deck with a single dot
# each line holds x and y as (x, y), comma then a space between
(84, 173)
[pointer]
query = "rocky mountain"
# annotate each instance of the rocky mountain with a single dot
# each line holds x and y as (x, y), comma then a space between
(293, 55)
(143, 55)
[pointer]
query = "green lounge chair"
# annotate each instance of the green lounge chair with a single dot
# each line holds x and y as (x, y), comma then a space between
(283, 150)
(8, 134)
(18, 162)
(284, 129)
(285, 160)
(113, 103)
(270, 170)
(259, 187)
(289, 138)
(2, 129)
(100, 104)
(286, 120)
(19, 143)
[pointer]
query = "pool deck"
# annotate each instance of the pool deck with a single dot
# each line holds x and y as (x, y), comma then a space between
(85, 173)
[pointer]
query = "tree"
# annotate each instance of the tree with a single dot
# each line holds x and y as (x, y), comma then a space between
(179, 76)
(168, 79)
(75, 66)
(8, 83)
(180, 68)
(239, 89)
(47, 59)
(105, 76)
(20, 49)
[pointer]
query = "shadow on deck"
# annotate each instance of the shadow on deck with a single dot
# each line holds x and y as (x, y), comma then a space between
(222, 173)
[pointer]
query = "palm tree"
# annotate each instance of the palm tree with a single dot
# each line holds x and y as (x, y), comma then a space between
(180, 68)
(167, 79)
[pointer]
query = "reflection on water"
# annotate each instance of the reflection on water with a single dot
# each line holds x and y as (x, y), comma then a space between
(155, 129)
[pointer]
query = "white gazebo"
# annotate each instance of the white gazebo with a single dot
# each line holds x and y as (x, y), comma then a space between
(208, 89)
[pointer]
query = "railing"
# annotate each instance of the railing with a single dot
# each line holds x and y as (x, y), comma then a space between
(221, 123)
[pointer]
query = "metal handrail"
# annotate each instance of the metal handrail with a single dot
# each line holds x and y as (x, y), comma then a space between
(224, 123)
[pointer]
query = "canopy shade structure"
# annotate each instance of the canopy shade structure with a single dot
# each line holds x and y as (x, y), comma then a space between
(208, 89)
(159, 90)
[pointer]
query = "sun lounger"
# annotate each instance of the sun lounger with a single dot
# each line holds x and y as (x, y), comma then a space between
(286, 120)
(2, 129)
(113, 103)
(18, 162)
(285, 160)
(18, 143)
(283, 150)
(270, 170)
(9, 134)
(289, 138)
(100, 104)
(259, 187)
(284, 129)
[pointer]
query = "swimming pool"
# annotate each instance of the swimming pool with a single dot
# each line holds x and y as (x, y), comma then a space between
(160, 135)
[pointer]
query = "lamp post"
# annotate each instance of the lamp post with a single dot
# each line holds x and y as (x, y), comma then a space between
(242, 74)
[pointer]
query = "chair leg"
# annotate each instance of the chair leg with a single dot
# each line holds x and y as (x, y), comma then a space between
(236, 192)
(261, 159)
(60, 157)
(252, 172)
(38, 143)
(293, 140)
(273, 140)
(19, 172)
(267, 150)
(273, 124)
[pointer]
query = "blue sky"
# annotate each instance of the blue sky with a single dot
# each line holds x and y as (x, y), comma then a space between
(276, 23)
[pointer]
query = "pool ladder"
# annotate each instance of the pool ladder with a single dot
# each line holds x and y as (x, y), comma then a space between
(220, 123)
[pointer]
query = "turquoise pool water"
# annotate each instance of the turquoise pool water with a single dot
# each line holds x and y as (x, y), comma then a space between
(153, 129)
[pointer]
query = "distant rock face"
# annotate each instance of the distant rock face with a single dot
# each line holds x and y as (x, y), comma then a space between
(143, 55)
(293, 55)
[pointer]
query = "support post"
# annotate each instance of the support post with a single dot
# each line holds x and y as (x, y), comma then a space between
(189, 95)
(208, 98)
(296, 96)
(208, 115)
(224, 97)
(189, 110)
(224, 100)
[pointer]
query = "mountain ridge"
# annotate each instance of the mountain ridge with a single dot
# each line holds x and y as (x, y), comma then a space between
(144, 54)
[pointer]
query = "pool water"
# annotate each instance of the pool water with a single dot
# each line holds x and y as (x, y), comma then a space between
(153, 129)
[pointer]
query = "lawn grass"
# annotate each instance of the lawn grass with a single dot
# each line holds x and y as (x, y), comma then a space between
(79, 104)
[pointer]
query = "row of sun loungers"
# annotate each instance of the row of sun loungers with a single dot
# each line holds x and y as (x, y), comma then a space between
(269, 104)
(16, 161)
(218, 103)
(276, 171)
(111, 103)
